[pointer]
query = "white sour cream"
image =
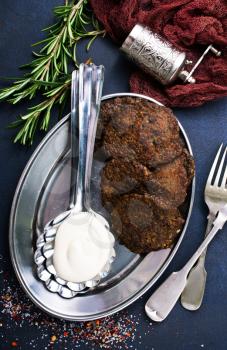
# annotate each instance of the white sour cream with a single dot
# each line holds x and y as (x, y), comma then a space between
(83, 246)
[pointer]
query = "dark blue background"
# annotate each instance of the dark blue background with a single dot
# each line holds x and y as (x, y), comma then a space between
(20, 25)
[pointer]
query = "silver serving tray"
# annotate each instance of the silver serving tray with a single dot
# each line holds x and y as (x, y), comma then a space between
(42, 193)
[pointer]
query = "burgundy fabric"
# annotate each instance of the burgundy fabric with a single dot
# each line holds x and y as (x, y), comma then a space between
(191, 25)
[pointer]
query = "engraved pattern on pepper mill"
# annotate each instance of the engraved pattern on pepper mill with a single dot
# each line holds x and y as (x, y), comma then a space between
(153, 54)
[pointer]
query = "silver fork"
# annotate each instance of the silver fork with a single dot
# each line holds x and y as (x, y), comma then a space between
(215, 198)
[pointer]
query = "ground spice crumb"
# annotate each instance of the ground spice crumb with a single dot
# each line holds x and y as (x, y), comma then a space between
(53, 338)
(113, 332)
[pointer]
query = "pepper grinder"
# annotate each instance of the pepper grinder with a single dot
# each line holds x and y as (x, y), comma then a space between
(156, 56)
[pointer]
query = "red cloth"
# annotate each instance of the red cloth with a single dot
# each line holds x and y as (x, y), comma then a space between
(190, 25)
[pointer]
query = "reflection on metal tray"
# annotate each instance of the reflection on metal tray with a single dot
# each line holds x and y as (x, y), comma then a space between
(42, 193)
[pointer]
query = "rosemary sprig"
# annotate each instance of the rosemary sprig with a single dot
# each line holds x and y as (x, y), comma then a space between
(48, 71)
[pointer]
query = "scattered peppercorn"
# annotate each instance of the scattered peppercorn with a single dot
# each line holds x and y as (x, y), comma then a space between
(17, 312)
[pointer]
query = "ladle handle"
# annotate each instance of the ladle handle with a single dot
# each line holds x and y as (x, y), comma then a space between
(86, 93)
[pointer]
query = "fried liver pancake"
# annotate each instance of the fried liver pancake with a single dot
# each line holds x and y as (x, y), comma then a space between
(141, 131)
(167, 184)
(142, 226)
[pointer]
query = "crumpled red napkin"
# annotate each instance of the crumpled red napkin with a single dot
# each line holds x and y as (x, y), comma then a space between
(190, 25)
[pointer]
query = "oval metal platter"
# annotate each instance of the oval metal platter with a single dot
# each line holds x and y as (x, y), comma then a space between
(42, 193)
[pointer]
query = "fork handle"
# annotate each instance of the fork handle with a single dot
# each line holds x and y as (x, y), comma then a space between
(192, 296)
(165, 297)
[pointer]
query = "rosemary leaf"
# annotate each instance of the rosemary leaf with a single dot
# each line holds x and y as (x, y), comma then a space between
(47, 73)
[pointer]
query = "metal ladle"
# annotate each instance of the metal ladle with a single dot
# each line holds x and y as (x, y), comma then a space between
(86, 93)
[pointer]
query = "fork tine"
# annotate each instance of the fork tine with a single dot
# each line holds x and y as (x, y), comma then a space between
(212, 170)
(223, 183)
(217, 178)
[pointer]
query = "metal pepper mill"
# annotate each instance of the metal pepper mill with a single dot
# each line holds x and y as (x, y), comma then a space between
(156, 56)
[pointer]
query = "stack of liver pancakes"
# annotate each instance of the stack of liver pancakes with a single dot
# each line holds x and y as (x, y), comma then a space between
(147, 173)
